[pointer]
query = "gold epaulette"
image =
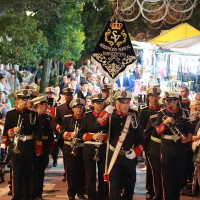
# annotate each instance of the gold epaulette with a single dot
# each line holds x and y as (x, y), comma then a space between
(69, 115)
(60, 105)
(48, 114)
(162, 110)
(11, 109)
(144, 107)
(154, 116)
(89, 111)
(185, 109)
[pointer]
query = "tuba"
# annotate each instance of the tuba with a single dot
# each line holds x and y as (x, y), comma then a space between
(16, 137)
(74, 142)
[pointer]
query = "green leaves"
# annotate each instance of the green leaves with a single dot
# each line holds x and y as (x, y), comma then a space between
(21, 42)
(63, 30)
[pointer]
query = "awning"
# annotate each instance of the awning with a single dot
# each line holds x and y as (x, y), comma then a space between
(179, 32)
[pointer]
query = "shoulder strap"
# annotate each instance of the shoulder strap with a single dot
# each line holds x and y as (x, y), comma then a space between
(118, 146)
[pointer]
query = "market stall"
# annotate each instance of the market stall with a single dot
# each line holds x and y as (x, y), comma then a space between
(171, 61)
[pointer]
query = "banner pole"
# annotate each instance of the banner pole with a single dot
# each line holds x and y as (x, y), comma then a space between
(108, 140)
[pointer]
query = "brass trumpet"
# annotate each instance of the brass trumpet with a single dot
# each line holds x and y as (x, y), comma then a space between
(74, 145)
(96, 150)
(16, 137)
(75, 142)
(174, 129)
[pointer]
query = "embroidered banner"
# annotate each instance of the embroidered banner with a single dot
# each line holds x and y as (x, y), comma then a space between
(114, 51)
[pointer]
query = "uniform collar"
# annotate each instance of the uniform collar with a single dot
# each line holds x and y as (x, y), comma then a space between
(154, 107)
(96, 114)
(119, 113)
(17, 108)
(173, 111)
(78, 117)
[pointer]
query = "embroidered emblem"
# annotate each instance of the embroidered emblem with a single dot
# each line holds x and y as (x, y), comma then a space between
(154, 90)
(78, 101)
(25, 92)
(100, 96)
(124, 94)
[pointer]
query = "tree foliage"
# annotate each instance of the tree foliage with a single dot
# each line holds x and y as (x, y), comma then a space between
(21, 41)
(95, 15)
(63, 30)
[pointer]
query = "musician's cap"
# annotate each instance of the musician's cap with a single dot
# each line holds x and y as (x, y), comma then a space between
(50, 90)
(153, 90)
(40, 99)
(35, 94)
(68, 90)
(96, 97)
(123, 95)
(105, 87)
(172, 95)
(108, 101)
(28, 87)
(83, 82)
(33, 85)
(76, 102)
(24, 93)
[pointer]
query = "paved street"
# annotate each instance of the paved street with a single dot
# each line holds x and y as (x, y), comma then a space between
(54, 188)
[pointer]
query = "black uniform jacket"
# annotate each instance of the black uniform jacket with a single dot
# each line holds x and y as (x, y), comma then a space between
(30, 126)
(133, 138)
(153, 147)
(145, 114)
(47, 131)
(90, 125)
(68, 125)
(169, 146)
(61, 111)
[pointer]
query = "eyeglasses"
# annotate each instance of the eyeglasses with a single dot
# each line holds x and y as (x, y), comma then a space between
(98, 102)
(78, 106)
(169, 100)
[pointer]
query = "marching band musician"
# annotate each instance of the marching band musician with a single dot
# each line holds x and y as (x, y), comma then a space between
(34, 94)
(94, 150)
(174, 127)
(23, 128)
(153, 95)
(51, 110)
(61, 111)
(72, 150)
(41, 162)
(50, 92)
(105, 89)
(125, 146)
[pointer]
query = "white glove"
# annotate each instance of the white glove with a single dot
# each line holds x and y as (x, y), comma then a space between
(131, 154)
(109, 109)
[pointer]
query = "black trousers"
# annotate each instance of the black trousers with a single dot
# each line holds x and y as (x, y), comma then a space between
(149, 178)
(91, 168)
(40, 164)
(120, 172)
(76, 177)
(173, 170)
(154, 161)
(22, 173)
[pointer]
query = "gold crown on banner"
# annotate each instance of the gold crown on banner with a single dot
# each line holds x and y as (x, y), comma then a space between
(116, 25)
